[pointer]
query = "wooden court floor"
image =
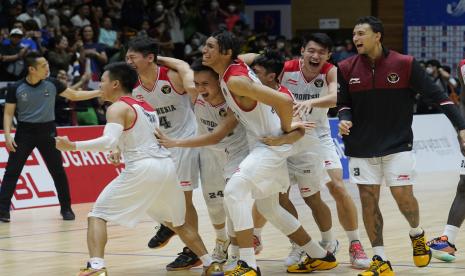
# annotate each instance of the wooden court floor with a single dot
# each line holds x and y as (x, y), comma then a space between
(38, 242)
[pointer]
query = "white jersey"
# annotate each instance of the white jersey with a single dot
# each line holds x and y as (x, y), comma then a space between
(174, 109)
(209, 117)
(303, 90)
(138, 142)
(261, 120)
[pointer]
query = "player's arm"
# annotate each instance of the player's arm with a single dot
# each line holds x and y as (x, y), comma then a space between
(80, 95)
(248, 58)
(291, 137)
(222, 130)
(282, 103)
(184, 72)
(344, 105)
(423, 84)
(327, 101)
(116, 121)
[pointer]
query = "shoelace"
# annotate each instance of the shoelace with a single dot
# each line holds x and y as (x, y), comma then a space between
(419, 247)
(374, 265)
(296, 252)
(358, 252)
(218, 251)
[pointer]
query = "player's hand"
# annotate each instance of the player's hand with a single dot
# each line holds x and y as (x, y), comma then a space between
(344, 127)
(304, 107)
(273, 140)
(115, 157)
(64, 144)
(10, 143)
(462, 141)
(164, 140)
(306, 125)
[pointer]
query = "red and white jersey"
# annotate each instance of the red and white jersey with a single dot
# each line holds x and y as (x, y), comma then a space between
(293, 78)
(210, 116)
(174, 109)
(261, 120)
(138, 142)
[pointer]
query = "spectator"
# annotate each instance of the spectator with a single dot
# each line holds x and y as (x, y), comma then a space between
(82, 18)
(175, 28)
(213, 17)
(11, 57)
(107, 35)
(32, 12)
(232, 17)
(58, 57)
(425, 105)
(53, 19)
(92, 53)
(162, 35)
(132, 13)
(192, 50)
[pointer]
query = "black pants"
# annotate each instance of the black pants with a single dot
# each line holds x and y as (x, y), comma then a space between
(29, 136)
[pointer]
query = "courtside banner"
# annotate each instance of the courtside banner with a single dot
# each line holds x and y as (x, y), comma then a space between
(88, 172)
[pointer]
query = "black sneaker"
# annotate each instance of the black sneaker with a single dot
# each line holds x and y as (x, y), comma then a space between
(67, 214)
(161, 238)
(5, 216)
(186, 260)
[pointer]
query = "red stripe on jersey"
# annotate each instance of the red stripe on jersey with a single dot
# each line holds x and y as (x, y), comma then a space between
(130, 100)
(237, 68)
(326, 67)
(164, 76)
(135, 112)
(185, 183)
(291, 65)
(286, 91)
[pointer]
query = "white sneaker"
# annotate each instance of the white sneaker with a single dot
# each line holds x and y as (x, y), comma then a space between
(220, 253)
(294, 256)
(332, 246)
(257, 244)
(358, 258)
(230, 264)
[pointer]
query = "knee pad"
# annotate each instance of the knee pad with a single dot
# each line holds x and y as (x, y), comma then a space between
(277, 215)
(216, 213)
(239, 202)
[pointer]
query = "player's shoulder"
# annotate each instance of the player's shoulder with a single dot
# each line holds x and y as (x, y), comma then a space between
(236, 69)
(292, 65)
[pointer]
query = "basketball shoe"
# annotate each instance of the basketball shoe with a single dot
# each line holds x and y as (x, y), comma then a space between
(294, 256)
(358, 258)
(220, 253)
(161, 238)
(442, 249)
(230, 264)
(243, 269)
(378, 267)
(332, 246)
(89, 271)
(310, 264)
(421, 252)
(185, 260)
(214, 269)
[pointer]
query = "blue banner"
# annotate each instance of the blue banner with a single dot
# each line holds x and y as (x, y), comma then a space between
(434, 12)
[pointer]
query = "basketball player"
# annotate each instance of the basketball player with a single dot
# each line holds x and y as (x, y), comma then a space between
(313, 82)
(163, 89)
(130, 126)
(263, 173)
(443, 247)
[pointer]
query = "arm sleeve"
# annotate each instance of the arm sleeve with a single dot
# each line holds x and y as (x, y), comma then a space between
(108, 141)
(11, 94)
(423, 84)
(59, 86)
(344, 101)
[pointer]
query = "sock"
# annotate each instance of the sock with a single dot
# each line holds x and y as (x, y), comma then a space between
(234, 250)
(379, 250)
(314, 250)
(327, 236)
(96, 263)
(353, 235)
(451, 232)
(415, 231)
(221, 234)
(248, 255)
(206, 260)
(257, 232)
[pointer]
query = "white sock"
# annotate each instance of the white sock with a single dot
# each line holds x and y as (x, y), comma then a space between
(206, 260)
(234, 250)
(353, 235)
(451, 232)
(327, 236)
(379, 250)
(96, 263)
(221, 234)
(257, 232)
(248, 255)
(415, 231)
(314, 250)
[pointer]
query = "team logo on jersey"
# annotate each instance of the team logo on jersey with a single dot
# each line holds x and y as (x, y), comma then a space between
(166, 89)
(222, 112)
(23, 96)
(393, 78)
(354, 80)
(319, 83)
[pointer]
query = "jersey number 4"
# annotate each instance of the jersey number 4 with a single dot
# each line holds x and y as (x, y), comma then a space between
(164, 122)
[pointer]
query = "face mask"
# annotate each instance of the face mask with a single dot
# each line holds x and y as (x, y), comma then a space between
(159, 8)
(280, 45)
(429, 70)
(214, 5)
(195, 42)
(67, 13)
(231, 8)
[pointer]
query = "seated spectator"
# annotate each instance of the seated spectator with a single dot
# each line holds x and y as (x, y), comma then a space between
(32, 12)
(11, 57)
(81, 19)
(107, 35)
(92, 54)
(58, 57)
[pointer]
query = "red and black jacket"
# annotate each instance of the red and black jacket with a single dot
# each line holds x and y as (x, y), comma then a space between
(379, 99)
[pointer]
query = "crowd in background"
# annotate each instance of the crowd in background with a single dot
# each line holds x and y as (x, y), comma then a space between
(80, 37)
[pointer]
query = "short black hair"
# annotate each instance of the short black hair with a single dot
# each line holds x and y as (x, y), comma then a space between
(227, 41)
(197, 66)
(375, 23)
(433, 62)
(31, 59)
(144, 45)
(320, 38)
(124, 73)
(272, 61)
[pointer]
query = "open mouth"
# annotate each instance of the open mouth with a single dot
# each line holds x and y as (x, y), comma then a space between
(359, 46)
(314, 64)
(205, 95)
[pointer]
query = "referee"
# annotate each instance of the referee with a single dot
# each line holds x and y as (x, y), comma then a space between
(33, 98)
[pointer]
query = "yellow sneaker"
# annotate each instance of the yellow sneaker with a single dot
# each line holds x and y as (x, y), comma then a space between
(88, 271)
(421, 252)
(243, 269)
(214, 269)
(309, 264)
(378, 267)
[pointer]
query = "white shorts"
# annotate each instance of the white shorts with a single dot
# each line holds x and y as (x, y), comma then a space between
(330, 157)
(187, 167)
(397, 169)
(266, 168)
(233, 160)
(147, 186)
(212, 164)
